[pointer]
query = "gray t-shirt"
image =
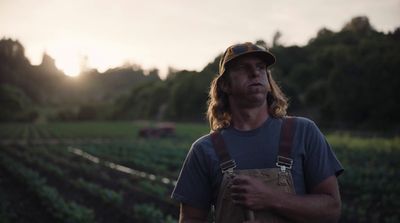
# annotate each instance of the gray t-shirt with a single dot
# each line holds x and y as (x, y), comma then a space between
(200, 177)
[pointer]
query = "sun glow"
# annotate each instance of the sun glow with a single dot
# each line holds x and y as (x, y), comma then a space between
(74, 56)
(70, 65)
(67, 57)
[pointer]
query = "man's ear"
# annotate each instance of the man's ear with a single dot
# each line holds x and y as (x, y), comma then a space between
(225, 87)
(269, 89)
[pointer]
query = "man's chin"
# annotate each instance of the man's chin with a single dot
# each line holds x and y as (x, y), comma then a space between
(260, 94)
(256, 100)
(257, 89)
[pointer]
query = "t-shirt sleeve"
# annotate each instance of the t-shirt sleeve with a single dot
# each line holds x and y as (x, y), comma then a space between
(193, 186)
(320, 161)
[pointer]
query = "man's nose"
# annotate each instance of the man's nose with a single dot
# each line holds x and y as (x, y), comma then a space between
(254, 71)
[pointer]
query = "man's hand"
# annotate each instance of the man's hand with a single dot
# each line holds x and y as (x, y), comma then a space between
(251, 192)
(321, 205)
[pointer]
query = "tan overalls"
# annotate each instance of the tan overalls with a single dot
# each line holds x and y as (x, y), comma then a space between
(279, 178)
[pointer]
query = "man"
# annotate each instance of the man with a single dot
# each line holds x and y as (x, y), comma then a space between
(239, 168)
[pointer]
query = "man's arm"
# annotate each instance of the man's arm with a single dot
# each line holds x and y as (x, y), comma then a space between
(189, 214)
(323, 204)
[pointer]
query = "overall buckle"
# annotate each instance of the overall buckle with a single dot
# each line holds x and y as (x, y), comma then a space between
(284, 163)
(228, 166)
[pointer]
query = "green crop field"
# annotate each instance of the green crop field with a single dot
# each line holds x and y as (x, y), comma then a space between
(67, 172)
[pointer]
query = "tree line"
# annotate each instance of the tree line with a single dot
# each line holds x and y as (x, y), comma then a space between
(347, 79)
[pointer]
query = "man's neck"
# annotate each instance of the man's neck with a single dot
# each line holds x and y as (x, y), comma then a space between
(246, 119)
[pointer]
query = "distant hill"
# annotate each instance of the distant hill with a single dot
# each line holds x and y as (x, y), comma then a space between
(343, 80)
(347, 79)
(46, 86)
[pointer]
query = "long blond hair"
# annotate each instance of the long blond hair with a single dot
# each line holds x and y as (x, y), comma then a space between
(218, 112)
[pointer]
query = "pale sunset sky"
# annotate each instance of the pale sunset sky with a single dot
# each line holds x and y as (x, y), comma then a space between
(182, 34)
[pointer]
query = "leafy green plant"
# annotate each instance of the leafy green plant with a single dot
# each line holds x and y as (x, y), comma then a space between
(148, 213)
(106, 195)
(153, 188)
(68, 212)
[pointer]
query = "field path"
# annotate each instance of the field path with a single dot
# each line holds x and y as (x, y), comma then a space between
(121, 168)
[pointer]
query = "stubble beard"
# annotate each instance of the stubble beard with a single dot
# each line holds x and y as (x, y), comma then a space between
(251, 98)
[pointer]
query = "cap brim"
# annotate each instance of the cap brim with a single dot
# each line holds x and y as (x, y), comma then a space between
(267, 57)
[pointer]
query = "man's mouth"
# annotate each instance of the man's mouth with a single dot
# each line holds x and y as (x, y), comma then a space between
(255, 84)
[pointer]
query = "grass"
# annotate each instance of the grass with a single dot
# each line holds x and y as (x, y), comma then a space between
(120, 129)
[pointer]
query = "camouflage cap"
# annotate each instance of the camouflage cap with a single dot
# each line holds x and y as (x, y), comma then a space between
(241, 49)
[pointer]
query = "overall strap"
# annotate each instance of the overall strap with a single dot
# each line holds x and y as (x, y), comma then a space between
(284, 160)
(226, 163)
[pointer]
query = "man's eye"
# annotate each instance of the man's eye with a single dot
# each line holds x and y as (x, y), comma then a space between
(261, 66)
(239, 67)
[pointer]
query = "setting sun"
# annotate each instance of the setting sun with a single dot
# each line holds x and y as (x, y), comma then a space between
(67, 57)
(68, 64)
(73, 55)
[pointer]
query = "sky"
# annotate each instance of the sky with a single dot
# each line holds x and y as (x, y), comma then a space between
(182, 34)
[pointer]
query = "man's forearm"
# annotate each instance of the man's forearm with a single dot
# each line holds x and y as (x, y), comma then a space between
(189, 214)
(321, 204)
(182, 220)
(308, 208)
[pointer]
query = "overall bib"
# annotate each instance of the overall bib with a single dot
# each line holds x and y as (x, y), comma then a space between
(278, 178)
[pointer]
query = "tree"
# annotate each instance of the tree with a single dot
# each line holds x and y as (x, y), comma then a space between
(359, 24)
(275, 39)
(15, 105)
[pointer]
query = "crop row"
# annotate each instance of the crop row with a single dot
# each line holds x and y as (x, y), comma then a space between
(62, 210)
(159, 157)
(91, 171)
(59, 179)
(110, 130)
(370, 185)
(77, 166)
(80, 177)
(106, 195)
(24, 132)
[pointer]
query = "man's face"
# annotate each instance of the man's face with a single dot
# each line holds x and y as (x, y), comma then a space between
(248, 81)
